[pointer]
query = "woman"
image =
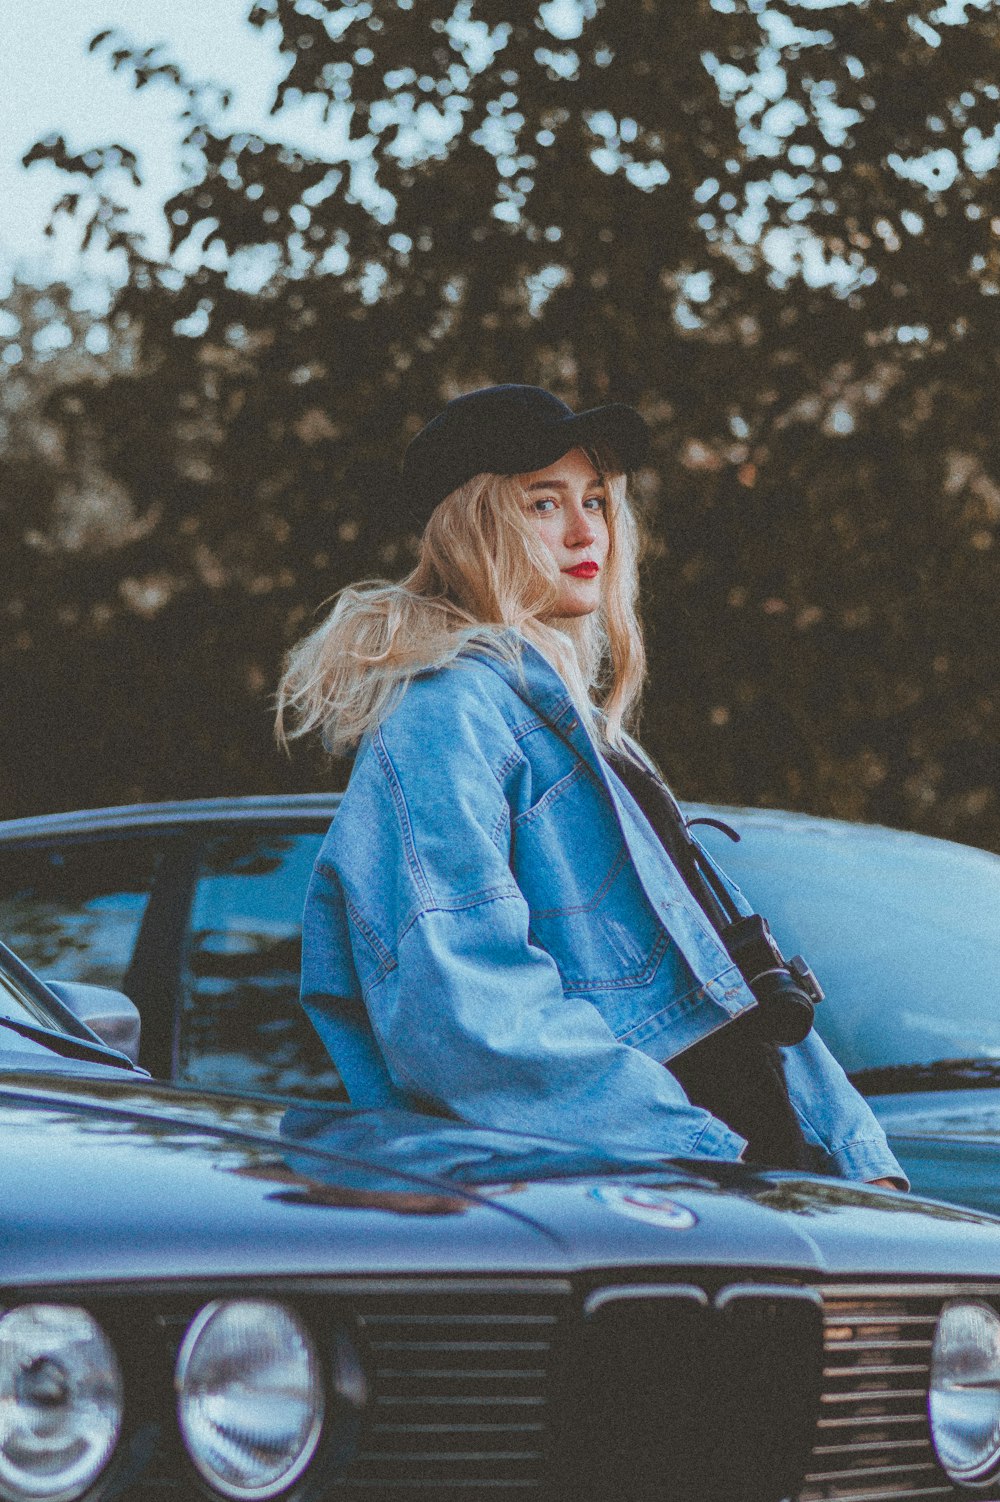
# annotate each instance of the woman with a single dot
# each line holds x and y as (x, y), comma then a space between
(496, 930)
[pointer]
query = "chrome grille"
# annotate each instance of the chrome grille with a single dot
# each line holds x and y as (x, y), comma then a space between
(461, 1381)
(873, 1441)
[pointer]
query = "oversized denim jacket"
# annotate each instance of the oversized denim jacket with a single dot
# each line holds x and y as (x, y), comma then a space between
(494, 932)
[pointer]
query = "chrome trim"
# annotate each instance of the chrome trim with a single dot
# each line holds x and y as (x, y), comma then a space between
(629, 1292)
(735, 1291)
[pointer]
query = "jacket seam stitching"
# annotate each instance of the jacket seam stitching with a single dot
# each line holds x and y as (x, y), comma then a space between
(476, 899)
(823, 1138)
(525, 728)
(403, 815)
(383, 954)
(851, 1142)
(703, 1133)
(469, 900)
(550, 795)
(543, 721)
(697, 991)
(500, 828)
(510, 761)
(575, 985)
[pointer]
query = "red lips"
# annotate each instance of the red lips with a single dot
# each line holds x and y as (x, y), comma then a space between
(584, 570)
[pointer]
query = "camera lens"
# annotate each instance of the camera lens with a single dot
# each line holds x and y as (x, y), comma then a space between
(785, 1010)
(785, 1013)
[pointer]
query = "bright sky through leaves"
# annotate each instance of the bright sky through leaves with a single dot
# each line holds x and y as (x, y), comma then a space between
(51, 83)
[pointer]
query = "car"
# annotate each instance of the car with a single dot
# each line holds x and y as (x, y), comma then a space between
(221, 1296)
(194, 910)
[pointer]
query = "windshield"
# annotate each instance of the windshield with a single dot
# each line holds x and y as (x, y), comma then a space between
(903, 932)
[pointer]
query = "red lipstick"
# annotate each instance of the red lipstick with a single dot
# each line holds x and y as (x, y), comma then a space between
(584, 570)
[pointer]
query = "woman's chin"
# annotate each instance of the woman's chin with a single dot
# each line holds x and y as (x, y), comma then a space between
(575, 597)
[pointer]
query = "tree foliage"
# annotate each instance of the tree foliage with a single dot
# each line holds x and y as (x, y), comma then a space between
(772, 226)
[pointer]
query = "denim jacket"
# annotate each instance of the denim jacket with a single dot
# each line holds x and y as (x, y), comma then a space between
(494, 932)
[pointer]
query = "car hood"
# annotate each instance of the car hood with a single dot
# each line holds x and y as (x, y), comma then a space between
(106, 1178)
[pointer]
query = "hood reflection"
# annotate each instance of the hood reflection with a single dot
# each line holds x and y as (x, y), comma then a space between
(321, 1187)
(386, 1143)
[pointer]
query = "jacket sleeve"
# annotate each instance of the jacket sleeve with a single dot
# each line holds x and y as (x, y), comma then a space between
(470, 1016)
(835, 1117)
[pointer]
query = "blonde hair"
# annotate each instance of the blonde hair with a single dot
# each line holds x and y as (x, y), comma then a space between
(482, 569)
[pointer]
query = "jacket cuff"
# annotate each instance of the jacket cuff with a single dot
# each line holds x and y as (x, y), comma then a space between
(867, 1158)
(716, 1141)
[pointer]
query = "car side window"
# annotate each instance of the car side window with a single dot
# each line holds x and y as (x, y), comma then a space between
(73, 912)
(241, 1026)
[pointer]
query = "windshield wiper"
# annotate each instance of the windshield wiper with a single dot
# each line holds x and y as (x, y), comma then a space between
(68, 1047)
(943, 1074)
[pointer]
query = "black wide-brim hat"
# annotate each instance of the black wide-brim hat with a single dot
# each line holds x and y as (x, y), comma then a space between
(509, 430)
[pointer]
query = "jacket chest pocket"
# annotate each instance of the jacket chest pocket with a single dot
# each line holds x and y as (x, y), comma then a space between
(587, 906)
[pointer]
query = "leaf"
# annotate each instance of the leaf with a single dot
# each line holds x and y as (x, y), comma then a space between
(49, 149)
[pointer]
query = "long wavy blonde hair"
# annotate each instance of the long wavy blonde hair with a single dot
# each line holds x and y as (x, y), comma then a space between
(482, 570)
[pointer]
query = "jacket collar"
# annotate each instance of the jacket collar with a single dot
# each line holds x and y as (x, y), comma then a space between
(533, 678)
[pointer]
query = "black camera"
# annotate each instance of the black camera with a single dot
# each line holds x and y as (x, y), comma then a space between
(786, 990)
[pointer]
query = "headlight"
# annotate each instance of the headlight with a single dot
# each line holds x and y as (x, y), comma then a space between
(60, 1403)
(250, 1397)
(964, 1399)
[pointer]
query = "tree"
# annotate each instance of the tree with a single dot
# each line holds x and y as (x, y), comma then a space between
(769, 225)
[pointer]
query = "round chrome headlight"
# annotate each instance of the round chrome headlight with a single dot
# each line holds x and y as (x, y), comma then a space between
(249, 1397)
(60, 1403)
(964, 1397)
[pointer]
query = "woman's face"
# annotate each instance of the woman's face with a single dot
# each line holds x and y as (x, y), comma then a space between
(567, 504)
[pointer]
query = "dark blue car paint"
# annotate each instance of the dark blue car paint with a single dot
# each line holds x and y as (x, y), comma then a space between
(115, 1179)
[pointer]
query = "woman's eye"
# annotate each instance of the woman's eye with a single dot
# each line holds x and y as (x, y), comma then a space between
(543, 507)
(596, 503)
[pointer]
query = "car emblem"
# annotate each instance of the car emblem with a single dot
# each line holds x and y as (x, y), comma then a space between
(650, 1205)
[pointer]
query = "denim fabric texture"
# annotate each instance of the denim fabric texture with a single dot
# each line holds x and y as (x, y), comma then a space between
(494, 932)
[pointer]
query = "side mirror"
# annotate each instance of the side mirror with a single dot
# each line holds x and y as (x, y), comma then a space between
(110, 1014)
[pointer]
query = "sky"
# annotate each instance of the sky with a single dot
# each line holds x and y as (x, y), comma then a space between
(49, 83)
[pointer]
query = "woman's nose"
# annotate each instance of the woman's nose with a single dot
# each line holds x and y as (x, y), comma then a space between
(579, 528)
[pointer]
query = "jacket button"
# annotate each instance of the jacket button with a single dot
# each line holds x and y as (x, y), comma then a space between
(572, 724)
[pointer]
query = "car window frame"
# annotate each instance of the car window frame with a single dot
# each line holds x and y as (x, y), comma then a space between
(155, 976)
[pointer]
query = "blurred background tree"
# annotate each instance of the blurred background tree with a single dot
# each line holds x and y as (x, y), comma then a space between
(772, 226)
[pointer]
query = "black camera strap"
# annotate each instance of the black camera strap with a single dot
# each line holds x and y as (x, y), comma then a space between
(786, 990)
(674, 831)
(736, 1073)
